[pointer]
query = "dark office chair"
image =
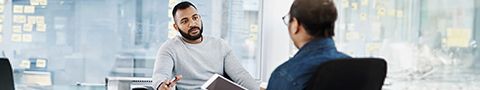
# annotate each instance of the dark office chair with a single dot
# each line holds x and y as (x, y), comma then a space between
(6, 76)
(349, 74)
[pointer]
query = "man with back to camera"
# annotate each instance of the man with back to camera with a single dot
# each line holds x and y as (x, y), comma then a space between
(311, 26)
(194, 58)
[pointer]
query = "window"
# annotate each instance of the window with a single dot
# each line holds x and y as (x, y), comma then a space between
(51, 41)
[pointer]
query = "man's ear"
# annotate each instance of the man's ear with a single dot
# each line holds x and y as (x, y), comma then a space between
(294, 26)
(175, 26)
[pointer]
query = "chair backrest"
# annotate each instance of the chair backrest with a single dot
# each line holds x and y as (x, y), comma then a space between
(349, 74)
(6, 76)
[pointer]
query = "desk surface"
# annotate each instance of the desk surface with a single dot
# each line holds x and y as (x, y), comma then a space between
(59, 87)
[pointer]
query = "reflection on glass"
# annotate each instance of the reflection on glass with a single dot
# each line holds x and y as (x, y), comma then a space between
(427, 44)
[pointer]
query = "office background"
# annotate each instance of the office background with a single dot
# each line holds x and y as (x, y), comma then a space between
(428, 44)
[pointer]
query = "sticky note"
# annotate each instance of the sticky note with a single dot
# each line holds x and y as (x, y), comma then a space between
(41, 27)
(381, 11)
(42, 2)
(34, 2)
(1, 28)
(19, 19)
(27, 27)
(27, 37)
(354, 6)
(41, 63)
(392, 12)
(17, 37)
(29, 9)
(16, 28)
(25, 64)
(365, 3)
(345, 3)
(32, 19)
(458, 37)
(2, 8)
(40, 19)
(17, 9)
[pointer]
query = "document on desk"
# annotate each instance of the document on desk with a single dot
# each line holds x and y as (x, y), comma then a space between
(218, 82)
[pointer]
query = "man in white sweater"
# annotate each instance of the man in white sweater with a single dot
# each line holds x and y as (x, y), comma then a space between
(192, 58)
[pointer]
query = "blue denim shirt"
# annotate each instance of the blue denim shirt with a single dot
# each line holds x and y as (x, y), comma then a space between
(294, 74)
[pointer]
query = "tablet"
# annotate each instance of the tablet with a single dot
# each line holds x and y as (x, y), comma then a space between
(218, 82)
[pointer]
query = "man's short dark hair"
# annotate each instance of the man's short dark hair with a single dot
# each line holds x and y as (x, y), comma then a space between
(317, 16)
(182, 5)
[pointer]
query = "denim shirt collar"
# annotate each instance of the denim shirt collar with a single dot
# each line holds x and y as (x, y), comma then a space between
(316, 44)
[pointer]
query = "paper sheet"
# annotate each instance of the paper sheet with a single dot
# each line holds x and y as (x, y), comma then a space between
(27, 38)
(41, 27)
(457, 37)
(29, 9)
(34, 2)
(17, 29)
(25, 64)
(41, 63)
(17, 8)
(19, 19)
(17, 37)
(32, 19)
(40, 20)
(27, 27)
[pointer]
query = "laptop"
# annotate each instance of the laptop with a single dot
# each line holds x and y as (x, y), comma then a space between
(6, 76)
(218, 82)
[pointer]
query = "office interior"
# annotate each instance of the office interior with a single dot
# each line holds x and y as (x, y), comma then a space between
(88, 44)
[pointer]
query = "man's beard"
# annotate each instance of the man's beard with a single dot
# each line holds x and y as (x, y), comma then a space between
(187, 36)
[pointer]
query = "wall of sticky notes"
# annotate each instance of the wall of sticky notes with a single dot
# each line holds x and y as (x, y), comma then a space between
(27, 21)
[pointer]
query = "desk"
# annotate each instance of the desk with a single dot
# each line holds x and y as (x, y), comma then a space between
(59, 87)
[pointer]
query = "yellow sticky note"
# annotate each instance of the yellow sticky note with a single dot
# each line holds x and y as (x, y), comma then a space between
(40, 19)
(354, 6)
(29, 9)
(19, 19)
(25, 64)
(17, 29)
(17, 37)
(41, 63)
(1, 19)
(2, 8)
(1, 28)
(27, 27)
(381, 11)
(32, 19)
(371, 47)
(345, 3)
(17, 9)
(458, 37)
(41, 27)
(42, 2)
(34, 2)
(392, 12)
(27, 38)
(365, 3)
